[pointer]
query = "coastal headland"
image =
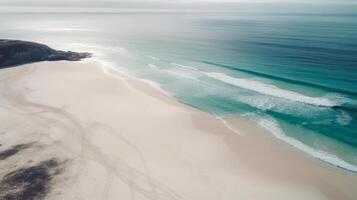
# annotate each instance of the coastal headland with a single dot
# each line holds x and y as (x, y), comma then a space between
(17, 52)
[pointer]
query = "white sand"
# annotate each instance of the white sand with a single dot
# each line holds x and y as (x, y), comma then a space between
(121, 139)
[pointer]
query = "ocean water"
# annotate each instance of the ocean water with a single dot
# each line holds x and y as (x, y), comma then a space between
(294, 74)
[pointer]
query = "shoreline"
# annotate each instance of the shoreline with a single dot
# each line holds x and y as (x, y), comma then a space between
(152, 145)
(325, 157)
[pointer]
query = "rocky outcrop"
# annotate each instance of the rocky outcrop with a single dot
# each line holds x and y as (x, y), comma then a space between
(16, 52)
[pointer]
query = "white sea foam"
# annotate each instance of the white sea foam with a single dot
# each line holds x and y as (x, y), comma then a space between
(226, 124)
(262, 103)
(184, 74)
(340, 99)
(185, 71)
(153, 58)
(343, 118)
(100, 56)
(271, 90)
(273, 127)
(110, 69)
(265, 103)
(152, 66)
(156, 86)
(185, 66)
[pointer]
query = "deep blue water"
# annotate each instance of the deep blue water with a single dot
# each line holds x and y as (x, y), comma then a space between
(294, 74)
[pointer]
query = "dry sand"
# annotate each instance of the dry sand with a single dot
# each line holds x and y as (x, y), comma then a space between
(85, 135)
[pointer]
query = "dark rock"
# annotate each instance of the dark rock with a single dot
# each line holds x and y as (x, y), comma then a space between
(32, 183)
(16, 52)
(13, 150)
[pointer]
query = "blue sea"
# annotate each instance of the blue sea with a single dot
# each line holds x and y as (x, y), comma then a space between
(294, 74)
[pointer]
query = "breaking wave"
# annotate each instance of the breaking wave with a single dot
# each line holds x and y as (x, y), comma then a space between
(271, 90)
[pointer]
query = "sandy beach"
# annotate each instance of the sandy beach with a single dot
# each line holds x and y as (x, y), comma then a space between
(91, 135)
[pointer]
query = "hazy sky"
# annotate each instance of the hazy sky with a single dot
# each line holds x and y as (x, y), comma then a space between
(6, 5)
(168, 1)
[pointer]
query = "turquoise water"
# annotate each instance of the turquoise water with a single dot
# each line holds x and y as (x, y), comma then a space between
(294, 74)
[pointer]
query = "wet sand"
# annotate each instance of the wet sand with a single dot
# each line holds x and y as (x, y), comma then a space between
(85, 134)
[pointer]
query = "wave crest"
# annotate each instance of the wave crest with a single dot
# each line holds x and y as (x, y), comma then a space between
(271, 90)
(273, 127)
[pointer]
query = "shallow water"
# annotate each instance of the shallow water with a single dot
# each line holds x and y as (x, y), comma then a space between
(294, 74)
